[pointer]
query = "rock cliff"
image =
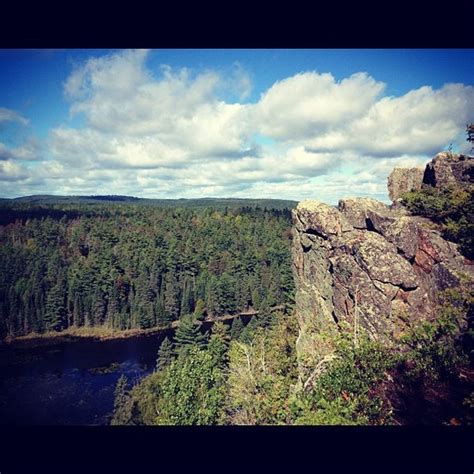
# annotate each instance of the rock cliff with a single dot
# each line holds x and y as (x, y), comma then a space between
(370, 267)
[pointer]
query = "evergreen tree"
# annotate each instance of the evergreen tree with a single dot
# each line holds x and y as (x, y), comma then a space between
(55, 308)
(165, 354)
(186, 298)
(188, 334)
(123, 403)
(265, 317)
(249, 330)
(236, 328)
(145, 316)
(256, 298)
(219, 343)
(171, 296)
(162, 317)
(199, 309)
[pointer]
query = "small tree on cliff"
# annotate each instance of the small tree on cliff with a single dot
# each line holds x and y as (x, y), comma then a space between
(470, 133)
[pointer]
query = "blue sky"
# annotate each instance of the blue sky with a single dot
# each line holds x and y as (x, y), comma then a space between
(319, 124)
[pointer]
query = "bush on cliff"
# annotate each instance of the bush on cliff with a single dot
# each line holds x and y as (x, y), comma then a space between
(344, 393)
(452, 208)
(417, 381)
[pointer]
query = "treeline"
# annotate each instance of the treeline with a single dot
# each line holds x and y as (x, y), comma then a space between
(127, 266)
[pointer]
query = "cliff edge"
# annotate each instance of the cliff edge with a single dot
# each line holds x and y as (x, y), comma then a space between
(370, 267)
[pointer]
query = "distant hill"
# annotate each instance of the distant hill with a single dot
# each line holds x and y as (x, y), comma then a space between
(218, 203)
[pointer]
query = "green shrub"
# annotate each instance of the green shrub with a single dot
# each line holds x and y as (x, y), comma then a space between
(436, 348)
(344, 393)
(452, 208)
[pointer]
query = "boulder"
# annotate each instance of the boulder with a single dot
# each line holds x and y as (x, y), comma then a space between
(319, 219)
(403, 180)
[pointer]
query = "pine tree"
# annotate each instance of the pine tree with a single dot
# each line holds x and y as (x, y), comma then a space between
(162, 318)
(249, 331)
(219, 343)
(165, 354)
(227, 299)
(146, 316)
(213, 299)
(264, 318)
(199, 309)
(123, 403)
(256, 298)
(55, 308)
(171, 296)
(236, 328)
(186, 298)
(188, 334)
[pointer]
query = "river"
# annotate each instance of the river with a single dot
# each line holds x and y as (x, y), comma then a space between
(71, 383)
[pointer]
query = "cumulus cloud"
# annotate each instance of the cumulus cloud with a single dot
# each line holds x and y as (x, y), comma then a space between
(10, 171)
(421, 121)
(181, 133)
(308, 103)
(152, 121)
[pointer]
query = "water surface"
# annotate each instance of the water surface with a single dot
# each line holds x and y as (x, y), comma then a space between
(71, 383)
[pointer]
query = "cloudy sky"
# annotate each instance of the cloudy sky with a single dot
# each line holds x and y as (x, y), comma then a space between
(296, 124)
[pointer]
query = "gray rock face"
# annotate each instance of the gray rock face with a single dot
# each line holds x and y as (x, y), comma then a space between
(449, 169)
(369, 265)
(355, 211)
(403, 180)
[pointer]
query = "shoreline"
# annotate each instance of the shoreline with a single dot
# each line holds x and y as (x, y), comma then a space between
(100, 333)
(75, 334)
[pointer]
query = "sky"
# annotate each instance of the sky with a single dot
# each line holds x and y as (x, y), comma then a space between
(287, 124)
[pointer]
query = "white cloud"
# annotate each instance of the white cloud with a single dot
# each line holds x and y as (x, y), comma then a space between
(152, 121)
(115, 74)
(28, 151)
(11, 171)
(177, 133)
(421, 121)
(308, 103)
(8, 115)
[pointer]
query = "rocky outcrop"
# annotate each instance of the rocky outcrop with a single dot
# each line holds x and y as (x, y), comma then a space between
(449, 169)
(367, 266)
(403, 180)
(444, 170)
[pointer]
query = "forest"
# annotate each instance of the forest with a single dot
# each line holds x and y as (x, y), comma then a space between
(119, 264)
(123, 265)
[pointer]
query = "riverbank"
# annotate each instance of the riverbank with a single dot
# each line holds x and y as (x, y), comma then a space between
(99, 333)
(103, 333)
